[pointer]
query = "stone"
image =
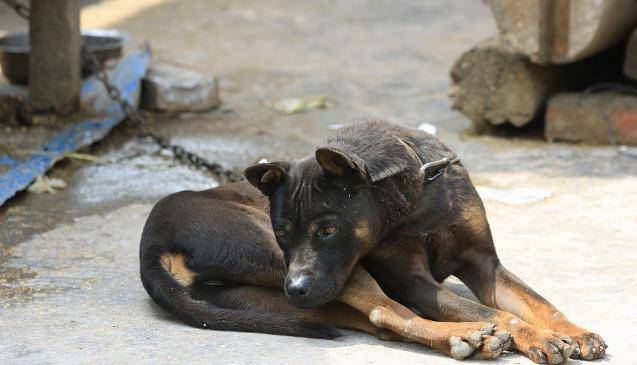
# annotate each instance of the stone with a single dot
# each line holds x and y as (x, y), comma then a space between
(562, 31)
(173, 88)
(630, 60)
(588, 117)
(492, 86)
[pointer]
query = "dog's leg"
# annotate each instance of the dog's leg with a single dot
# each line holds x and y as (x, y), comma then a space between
(499, 288)
(405, 274)
(480, 268)
(262, 299)
(460, 340)
(541, 345)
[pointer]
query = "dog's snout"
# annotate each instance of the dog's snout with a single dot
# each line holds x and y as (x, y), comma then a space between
(299, 286)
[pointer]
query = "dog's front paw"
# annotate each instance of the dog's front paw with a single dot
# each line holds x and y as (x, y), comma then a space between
(544, 346)
(485, 343)
(588, 345)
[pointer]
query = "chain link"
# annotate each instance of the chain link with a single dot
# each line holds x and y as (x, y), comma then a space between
(178, 152)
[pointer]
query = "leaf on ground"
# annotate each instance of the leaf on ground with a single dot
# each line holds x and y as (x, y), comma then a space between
(43, 184)
(299, 104)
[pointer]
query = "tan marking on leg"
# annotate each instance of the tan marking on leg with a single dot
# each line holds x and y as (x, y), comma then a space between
(175, 264)
(364, 294)
(516, 297)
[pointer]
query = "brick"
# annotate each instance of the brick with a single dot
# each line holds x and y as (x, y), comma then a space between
(172, 88)
(580, 117)
(630, 60)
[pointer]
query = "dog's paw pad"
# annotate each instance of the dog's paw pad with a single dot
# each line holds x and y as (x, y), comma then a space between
(490, 349)
(475, 339)
(505, 338)
(459, 349)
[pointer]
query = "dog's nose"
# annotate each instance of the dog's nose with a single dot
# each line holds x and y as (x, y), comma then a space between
(299, 286)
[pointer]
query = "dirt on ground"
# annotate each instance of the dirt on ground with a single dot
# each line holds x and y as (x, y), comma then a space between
(563, 216)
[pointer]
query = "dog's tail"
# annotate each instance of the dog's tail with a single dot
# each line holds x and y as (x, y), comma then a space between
(176, 298)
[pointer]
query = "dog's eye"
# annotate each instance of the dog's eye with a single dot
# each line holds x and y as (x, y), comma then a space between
(326, 231)
(281, 233)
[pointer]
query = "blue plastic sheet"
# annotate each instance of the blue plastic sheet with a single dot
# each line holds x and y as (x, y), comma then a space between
(126, 76)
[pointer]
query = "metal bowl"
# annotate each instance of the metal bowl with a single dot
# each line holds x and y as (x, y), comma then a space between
(14, 52)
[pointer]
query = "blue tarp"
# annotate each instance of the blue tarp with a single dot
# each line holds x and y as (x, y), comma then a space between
(126, 76)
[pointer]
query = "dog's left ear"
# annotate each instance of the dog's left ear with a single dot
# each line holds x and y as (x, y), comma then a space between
(267, 176)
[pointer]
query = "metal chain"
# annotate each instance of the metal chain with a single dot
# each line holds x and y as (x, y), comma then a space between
(179, 153)
(138, 120)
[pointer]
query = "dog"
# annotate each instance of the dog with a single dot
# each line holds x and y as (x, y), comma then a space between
(359, 236)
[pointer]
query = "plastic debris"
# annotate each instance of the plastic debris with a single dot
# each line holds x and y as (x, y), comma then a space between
(44, 184)
(514, 196)
(334, 127)
(299, 104)
(428, 128)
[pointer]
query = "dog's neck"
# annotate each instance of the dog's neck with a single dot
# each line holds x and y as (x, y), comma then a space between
(396, 195)
(400, 195)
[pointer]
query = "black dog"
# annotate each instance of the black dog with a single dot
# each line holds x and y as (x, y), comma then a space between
(394, 200)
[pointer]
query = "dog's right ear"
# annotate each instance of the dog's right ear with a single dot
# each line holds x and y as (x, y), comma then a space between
(267, 176)
(337, 163)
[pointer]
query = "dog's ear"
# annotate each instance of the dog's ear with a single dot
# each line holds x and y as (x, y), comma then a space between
(267, 176)
(339, 164)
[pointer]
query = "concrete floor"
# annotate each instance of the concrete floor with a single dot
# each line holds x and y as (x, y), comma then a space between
(69, 284)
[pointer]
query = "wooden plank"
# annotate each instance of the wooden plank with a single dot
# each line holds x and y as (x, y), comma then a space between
(54, 59)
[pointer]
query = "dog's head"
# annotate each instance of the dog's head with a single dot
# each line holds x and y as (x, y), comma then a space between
(324, 218)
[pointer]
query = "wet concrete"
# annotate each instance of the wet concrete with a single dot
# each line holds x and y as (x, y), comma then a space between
(69, 286)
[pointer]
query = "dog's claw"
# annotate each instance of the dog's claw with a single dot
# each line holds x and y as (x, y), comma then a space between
(547, 347)
(488, 329)
(576, 351)
(537, 356)
(585, 345)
